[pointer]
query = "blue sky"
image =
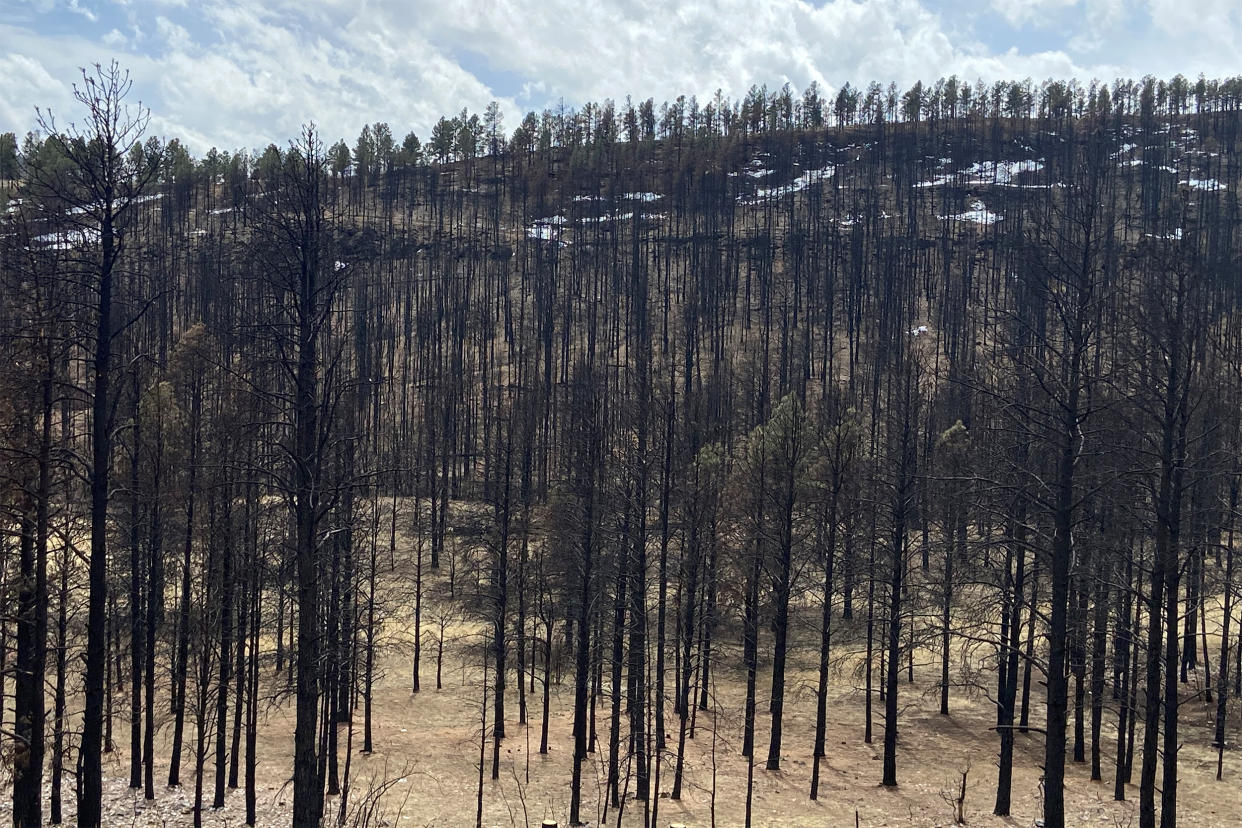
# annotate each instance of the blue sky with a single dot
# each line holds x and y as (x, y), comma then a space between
(241, 74)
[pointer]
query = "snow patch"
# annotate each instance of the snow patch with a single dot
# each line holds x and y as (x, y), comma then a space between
(543, 232)
(800, 183)
(68, 239)
(606, 217)
(83, 209)
(977, 213)
(1001, 173)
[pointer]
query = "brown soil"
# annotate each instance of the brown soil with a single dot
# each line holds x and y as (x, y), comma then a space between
(427, 753)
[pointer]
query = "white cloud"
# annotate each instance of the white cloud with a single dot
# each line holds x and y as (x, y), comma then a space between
(116, 39)
(175, 37)
(76, 7)
(241, 74)
(1090, 15)
(28, 83)
(1211, 25)
(1026, 12)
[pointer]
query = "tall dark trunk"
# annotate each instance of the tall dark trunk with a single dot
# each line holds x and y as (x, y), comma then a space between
(307, 790)
(90, 804)
(136, 630)
(582, 660)
(1222, 683)
(1078, 665)
(225, 660)
(29, 707)
(545, 712)
(869, 659)
(902, 489)
(1127, 629)
(58, 703)
(1059, 576)
(181, 661)
(893, 667)
(252, 703)
(522, 585)
(946, 616)
(780, 625)
(1009, 694)
(154, 607)
(666, 482)
(1151, 705)
(1170, 746)
(1099, 653)
(687, 594)
(750, 623)
(636, 690)
(500, 605)
(615, 663)
(1028, 659)
(416, 668)
(368, 668)
(248, 582)
(825, 638)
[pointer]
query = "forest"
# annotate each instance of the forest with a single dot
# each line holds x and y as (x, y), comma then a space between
(865, 458)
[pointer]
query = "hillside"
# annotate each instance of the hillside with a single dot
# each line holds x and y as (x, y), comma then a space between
(714, 448)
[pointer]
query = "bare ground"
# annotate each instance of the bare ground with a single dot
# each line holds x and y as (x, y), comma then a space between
(427, 748)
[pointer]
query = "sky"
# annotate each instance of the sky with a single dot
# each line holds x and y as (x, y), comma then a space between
(240, 74)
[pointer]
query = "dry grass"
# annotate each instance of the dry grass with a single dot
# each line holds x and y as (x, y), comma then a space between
(427, 750)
